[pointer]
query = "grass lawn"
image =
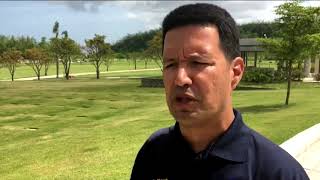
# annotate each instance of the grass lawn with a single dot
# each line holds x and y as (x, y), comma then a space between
(92, 129)
(26, 71)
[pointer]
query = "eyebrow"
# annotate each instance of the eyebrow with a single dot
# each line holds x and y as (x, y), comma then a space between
(204, 56)
(168, 59)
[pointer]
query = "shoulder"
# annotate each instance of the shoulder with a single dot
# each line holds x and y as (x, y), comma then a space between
(158, 139)
(161, 134)
(151, 154)
(272, 161)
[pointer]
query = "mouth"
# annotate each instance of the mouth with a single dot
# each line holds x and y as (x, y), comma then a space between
(185, 99)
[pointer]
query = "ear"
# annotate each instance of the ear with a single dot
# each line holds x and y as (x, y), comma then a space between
(237, 70)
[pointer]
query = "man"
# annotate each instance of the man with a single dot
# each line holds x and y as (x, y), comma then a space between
(202, 66)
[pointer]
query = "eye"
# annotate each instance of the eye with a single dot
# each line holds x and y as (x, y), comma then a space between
(199, 63)
(169, 65)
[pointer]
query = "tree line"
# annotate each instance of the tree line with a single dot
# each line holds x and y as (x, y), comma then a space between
(62, 49)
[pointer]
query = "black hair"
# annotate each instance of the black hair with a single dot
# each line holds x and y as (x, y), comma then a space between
(205, 15)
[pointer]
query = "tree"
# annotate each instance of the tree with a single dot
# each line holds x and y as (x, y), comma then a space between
(97, 50)
(258, 30)
(55, 30)
(68, 50)
(109, 59)
(44, 45)
(313, 42)
(10, 59)
(65, 34)
(154, 50)
(137, 42)
(295, 22)
(145, 58)
(134, 56)
(18, 43)
(36, 58)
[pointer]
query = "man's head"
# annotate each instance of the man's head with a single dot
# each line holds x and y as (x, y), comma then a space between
(201, 63)
(205, 15)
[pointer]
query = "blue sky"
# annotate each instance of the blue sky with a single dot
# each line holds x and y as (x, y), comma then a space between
(115, 19)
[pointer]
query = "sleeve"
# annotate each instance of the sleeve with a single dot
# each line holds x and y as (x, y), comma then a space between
(295, 174)
(289, 172)
(142, 167)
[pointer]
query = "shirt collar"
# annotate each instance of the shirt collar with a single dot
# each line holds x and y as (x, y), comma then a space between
(232, 145)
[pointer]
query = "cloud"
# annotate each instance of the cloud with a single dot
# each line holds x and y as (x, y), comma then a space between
(151, 13)
(80, 6)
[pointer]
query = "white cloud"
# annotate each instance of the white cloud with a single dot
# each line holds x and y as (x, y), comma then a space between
(131, 15)
(151, 13)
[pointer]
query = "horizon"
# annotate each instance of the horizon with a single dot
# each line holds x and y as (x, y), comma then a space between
(114, 19)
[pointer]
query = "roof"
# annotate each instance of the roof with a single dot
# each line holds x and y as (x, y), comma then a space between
(250, 44)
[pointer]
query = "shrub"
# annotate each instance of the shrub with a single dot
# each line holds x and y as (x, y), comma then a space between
(297, 74)
(279, 75)
(259, 75)
(317, 77)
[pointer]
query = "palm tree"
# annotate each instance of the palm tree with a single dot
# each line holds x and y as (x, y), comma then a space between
(55, 30)
(65, 34)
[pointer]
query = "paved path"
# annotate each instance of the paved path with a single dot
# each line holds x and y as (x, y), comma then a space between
(310, 160)
(305, 147)
(80, 74)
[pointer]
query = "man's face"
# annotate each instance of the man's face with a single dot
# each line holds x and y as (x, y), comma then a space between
(198, 78)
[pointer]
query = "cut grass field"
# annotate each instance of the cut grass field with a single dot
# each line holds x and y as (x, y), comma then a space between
(23, 71)
(92, 129)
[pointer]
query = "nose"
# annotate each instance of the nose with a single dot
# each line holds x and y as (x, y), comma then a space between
(182, 77)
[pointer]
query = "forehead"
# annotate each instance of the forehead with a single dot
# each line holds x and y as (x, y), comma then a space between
(191, 38)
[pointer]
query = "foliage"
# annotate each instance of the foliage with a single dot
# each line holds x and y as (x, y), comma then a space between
(55, 31)
(97, 51)
(138, 42)
(19, 43)
(258, 30)
(295, 23)
(317, 77)
(10, 59)
(154, 50)
(134, 42)
(312, 42)
(118, 68)
(36, 58)
(45, 47)
(109, 59)
(67, 49)
(259, 75)
(134, 56)
(297, 74)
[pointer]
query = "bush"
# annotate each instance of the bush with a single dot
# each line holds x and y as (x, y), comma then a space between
(297, 74)
(317, 77)
(259, 75)
(279, 76)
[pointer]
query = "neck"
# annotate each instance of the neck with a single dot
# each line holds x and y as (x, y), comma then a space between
(200, 137)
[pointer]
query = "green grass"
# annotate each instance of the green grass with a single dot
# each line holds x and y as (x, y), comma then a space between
(92, 129)
(26, 71)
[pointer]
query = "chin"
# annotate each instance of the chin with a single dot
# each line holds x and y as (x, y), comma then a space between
(186, 118)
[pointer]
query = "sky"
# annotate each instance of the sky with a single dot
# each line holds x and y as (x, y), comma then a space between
(115, 19)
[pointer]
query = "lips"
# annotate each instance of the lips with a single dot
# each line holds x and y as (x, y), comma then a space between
(184, 99)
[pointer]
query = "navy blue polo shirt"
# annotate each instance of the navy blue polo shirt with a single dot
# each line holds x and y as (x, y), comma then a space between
(239, 154)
